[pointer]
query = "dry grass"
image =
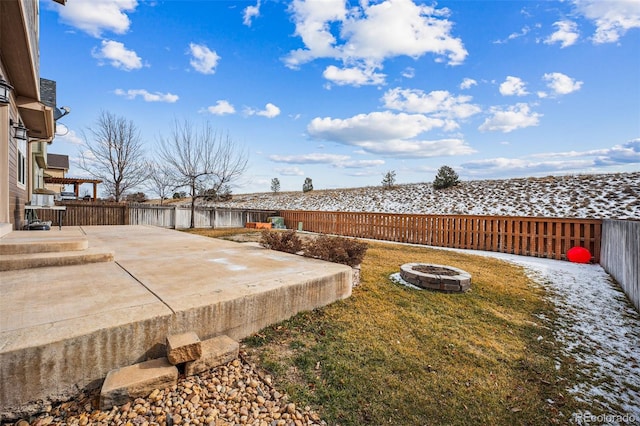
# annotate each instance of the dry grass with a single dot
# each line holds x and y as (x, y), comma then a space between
(393, 355)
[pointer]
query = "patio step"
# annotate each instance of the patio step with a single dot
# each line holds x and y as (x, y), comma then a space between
(5, 228)
(40, 260)
(9, 247)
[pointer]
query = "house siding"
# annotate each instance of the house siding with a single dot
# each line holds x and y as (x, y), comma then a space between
(17, 194)
(59, 173)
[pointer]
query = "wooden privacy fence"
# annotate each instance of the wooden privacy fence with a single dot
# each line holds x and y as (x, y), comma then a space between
(620, 248)
(529, 236)
(83, 213)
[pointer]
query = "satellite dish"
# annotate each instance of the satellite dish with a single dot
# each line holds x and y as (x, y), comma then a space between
(61, 112)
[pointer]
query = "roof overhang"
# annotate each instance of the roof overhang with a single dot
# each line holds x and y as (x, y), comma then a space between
(37, 117)
(19, 48)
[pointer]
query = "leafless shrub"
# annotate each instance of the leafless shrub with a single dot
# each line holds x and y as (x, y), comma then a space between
(347, 251)
(287, 241)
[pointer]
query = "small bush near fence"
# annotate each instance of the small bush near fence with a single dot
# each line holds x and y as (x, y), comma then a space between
(287, 241)
(347, 251)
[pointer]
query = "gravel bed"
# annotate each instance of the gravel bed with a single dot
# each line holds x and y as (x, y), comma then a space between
(232, 394)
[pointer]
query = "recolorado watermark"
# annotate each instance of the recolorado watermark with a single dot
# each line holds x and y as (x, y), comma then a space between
(588, 418)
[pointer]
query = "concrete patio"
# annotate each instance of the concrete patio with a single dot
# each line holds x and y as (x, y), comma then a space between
(63, 328)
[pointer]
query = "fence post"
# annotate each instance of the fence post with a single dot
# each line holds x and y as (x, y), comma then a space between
(174, 215)
(126, 214)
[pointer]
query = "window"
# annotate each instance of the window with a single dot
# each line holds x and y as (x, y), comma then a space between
(22, 162)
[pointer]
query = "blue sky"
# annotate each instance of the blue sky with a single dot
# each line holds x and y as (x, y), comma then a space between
(344, 91)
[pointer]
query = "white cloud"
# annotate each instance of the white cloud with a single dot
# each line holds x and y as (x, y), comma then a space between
(401, 27)
(64, 134)
(364, 36)
(363, 173)
(117, 55)
(523, 32)
(312, 20)
(335, 160)
(148, 96)
(221, 107)
(507, 120)
(568, 154)
(513, 86)
(289, 171)
(627, 153)
(269, 111)
(612, 18)
(360, 164)
(438, 103)
(203, 59)
(86, 155)
(561, 84)
(566, 34)
(251, 12)
(353, 76)
(504, 166)
(96, 16)
(468, 83)
(314, 158)
(388, 134)
(409, 72)
(379, 126)
(418, 148)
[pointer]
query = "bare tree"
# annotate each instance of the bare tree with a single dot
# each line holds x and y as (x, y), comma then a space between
(114, 154)
(160, 182)
(201, 159)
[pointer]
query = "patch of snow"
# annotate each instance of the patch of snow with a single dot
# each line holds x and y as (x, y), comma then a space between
(609, 196)
(397, 278)
(597, 326)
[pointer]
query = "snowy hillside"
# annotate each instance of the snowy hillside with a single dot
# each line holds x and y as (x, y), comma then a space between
(613, 196)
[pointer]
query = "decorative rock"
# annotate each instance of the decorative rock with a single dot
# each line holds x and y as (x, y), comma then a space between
(436, 277)
(254, 402)
(183, 347)
(217, 351)
(138, 380)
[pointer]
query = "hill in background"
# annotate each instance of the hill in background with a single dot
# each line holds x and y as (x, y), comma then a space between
(606, 196)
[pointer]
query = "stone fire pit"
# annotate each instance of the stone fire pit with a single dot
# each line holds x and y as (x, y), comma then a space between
(436, 277)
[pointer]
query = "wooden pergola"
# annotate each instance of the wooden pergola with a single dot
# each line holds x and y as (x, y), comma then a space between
(76, 182)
